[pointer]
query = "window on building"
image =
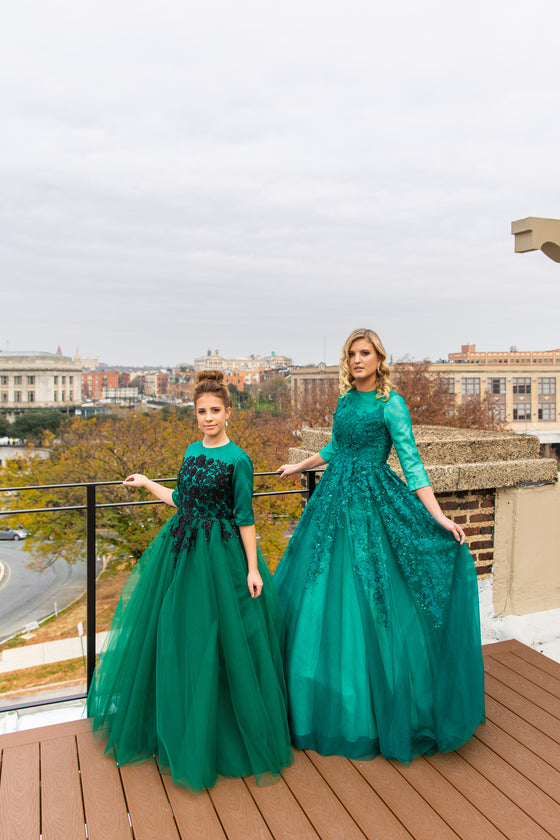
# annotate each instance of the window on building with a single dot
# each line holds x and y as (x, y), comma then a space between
(547, 411)
(63, 380)
(448, 383)
(521, 411)
(70, 395)
(470, 385)
(70, 380)
(3, 380)
(55, 397)
(497, 385)
(62, 396)
(17, 380)
(4, 396)
(521, 384)
(17, 396)
(498, 411)
(31, 380)
(547, 384)
(31, 396)
(56, 380)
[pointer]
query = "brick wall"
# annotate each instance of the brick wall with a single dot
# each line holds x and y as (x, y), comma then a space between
(474, 511)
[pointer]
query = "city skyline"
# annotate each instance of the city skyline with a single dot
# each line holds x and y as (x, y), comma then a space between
(456, 352)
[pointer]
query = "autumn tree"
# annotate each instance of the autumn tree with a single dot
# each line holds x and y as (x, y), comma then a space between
(277, 392)
(315, 405)
(431, 402)
(427, 395)
(110, 448)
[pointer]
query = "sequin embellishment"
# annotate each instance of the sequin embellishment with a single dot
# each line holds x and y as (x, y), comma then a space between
(362, 500)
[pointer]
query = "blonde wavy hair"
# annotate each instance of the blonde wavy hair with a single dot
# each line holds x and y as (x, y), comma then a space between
(346, 380)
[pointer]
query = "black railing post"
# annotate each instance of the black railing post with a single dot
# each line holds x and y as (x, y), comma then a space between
(91, 570)
(311, 483)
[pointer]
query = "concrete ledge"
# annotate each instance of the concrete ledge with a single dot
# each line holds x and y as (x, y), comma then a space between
(462, 459)
(534, 233)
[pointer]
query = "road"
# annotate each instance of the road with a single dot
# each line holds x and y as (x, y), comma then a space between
(28, 595)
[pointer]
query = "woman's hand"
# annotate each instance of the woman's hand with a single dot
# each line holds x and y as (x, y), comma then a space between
(310, 463)
(255, 584)
(455, 529)
(135, 480)
(288, 469)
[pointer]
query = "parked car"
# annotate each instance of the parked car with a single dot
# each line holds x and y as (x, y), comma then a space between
(13, 534)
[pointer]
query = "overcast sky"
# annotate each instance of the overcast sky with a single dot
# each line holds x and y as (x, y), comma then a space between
(256, 176)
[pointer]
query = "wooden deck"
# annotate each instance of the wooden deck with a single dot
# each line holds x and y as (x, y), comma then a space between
(505, 783)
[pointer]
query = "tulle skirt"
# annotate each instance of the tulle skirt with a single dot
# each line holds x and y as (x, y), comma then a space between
(383, 651)
(192, 670)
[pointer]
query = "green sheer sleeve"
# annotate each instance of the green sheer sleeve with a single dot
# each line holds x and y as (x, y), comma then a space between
(243, 490)
(328, 451)
(397, 420)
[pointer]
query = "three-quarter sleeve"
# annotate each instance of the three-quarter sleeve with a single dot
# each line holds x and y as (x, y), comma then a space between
(397, 420)
(243, 491)
(328, 451)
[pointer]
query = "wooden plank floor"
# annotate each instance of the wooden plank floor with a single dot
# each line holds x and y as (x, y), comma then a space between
(503, 785)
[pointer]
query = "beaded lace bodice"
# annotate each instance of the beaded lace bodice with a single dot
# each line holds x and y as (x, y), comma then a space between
(361, 493)
(214, 487)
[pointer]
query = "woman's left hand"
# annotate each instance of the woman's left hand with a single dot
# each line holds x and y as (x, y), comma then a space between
(455, 529)
(255, 584)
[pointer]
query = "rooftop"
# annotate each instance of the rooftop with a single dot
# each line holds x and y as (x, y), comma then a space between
(501, 785)
(31, 354)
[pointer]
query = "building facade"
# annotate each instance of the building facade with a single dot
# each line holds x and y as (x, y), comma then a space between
(155, 383)
(214, 361)
(522, 387)
(39, 381)
(313, 383)
(94, 381)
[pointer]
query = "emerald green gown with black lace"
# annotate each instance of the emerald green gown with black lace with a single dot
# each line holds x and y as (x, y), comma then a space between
(191, 671)
(383, 650)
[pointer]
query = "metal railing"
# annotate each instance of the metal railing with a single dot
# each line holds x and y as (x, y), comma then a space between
(91, 506)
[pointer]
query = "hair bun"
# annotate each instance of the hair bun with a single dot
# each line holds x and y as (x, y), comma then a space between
(209, 376)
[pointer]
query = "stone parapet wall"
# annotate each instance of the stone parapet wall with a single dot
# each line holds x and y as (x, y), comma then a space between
(466, 467)
(462, 459)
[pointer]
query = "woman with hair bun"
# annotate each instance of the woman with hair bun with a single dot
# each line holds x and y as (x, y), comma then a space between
(383, 651)
(192, 670)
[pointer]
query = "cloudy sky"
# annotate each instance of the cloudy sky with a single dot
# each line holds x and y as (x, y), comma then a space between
(252, 176)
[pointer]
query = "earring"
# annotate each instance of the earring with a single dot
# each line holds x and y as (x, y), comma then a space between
(227, 424)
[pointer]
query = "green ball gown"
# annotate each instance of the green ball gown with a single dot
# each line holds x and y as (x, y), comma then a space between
(383, 649)
(191, 670)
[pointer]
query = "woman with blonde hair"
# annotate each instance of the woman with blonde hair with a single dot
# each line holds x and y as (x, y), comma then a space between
(383, 650)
